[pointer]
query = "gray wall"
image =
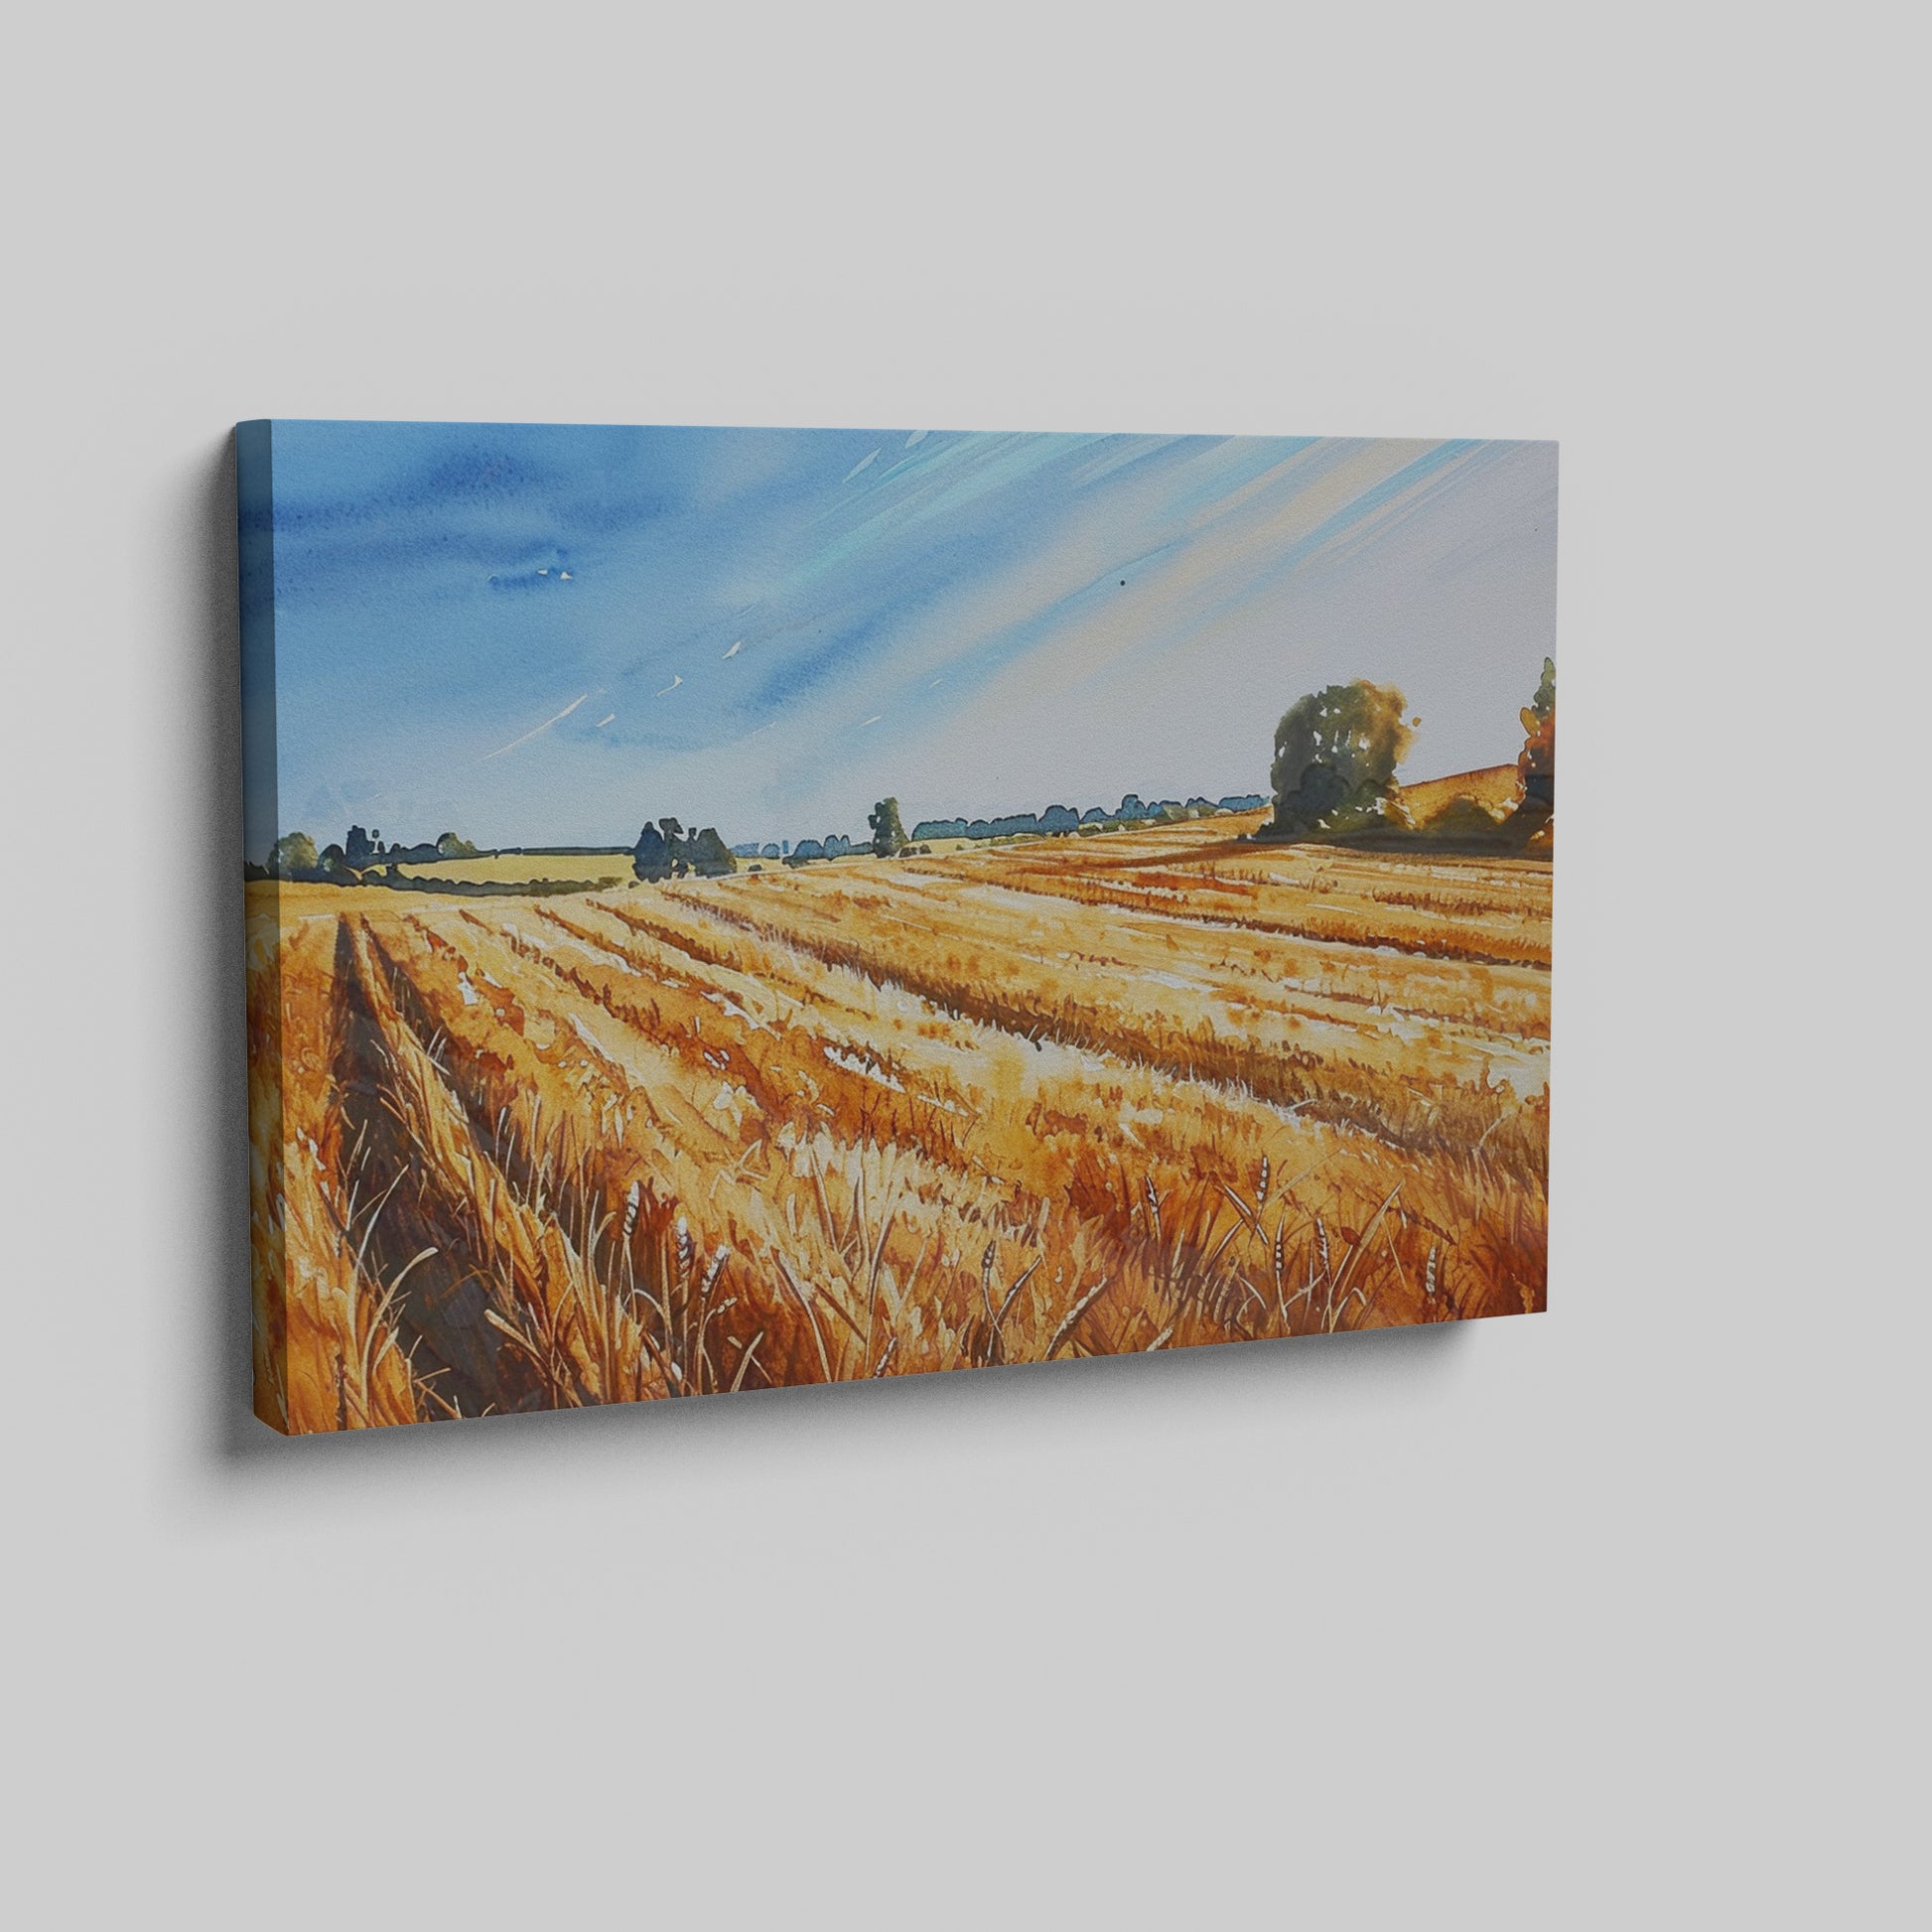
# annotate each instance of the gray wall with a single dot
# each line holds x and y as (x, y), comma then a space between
(1594, 1619)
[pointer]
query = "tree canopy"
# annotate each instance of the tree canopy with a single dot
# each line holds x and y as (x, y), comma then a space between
(707, 853)
(887, 830)
(1537, 762)
(293, 854)
(652, 857)
(1336, 755)
(666, 851)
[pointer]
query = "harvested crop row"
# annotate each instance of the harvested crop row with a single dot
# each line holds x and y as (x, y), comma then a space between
(1156, 1268)
(1459, 906)
(327, 1353)
(1421, 931)
(1026, 983)
(509, 1305)
(1047, 1127)
(827, 1239)
(1005, 1104)
(1369, 985)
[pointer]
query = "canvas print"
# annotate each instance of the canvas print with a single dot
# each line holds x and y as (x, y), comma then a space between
(730, 909)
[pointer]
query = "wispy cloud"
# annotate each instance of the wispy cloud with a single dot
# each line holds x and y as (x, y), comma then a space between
(539, 729)
(864, 464)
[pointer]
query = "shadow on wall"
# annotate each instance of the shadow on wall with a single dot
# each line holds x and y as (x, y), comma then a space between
(226, 1442)
(211, 906)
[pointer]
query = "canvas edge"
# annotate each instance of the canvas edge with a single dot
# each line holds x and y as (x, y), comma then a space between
(256, 594)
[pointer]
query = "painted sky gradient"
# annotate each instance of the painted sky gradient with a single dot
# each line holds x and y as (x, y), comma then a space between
(535, 634)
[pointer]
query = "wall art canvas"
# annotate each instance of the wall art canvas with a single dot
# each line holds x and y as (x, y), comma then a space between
(729, 909)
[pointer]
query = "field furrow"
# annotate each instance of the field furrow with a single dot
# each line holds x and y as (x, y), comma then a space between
(1408, 1083)
(1138, 1091)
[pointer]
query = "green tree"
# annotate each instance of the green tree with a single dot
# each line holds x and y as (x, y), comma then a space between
(652, 857)
(1336, 755)
(452, 847)
(292, 854)
(887, 829)
(708, 855)
(1536, 763)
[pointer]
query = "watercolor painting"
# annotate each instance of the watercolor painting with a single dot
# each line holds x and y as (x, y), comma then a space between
(730, 909)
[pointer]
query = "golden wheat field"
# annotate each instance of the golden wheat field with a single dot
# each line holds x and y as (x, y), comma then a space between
(1074, 1097)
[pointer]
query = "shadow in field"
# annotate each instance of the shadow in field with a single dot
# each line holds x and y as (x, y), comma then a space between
(230, 1444)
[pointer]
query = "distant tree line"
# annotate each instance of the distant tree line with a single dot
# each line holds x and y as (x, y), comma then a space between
(666, 851)
(1059, 820)
(294, 857)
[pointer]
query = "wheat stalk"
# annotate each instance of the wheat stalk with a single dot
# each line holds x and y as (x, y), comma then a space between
(1072, 1315)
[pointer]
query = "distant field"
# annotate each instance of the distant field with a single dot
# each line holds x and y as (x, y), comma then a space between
(515, 867)
(1495, 786)
(1069, 1097)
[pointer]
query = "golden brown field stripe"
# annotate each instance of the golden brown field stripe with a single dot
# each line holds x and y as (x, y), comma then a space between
(1400, 1108)
(1187, 846)
(551, 990)
(443, 1309)
(654, 1068)
(1101, 1229)
(933, 1045)
(1413, 1175)
(725, 994)
(1513, 882)
(1305, 868)
(1253, 1002)
(1254, 895)
(1322, 924)
(1516, 994)
(736, 1205)
(1508, 1000)
(1466, 890)
(510, 1298)
(859, 1110)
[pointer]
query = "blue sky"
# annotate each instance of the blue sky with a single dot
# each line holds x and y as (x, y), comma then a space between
(535, 634)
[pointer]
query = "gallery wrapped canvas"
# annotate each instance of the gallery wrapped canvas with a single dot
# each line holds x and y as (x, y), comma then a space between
(730, 909)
